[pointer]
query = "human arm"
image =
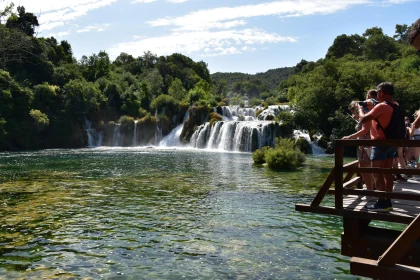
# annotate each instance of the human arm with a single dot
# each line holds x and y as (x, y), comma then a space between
(365, 118)
(416, 123)
(365, 130)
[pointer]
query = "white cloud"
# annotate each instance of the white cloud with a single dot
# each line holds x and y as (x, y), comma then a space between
(176, 1)
(53, 13)
(94, 27)
(277, 8)
(396, 1)
(59, 34)
(211, 43)
(142, 1)
(211, 25)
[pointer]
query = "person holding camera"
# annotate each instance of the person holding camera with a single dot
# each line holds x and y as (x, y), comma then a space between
(363, 132)
(382, 156)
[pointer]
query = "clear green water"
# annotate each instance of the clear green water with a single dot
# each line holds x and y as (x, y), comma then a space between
(138, 213)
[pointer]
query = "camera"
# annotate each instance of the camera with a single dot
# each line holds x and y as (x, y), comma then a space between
(372, 102)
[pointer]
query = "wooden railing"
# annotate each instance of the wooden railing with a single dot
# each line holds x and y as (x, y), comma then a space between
(342, 185)
(388, 265)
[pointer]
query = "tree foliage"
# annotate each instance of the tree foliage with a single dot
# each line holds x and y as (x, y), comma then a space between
(46, 94)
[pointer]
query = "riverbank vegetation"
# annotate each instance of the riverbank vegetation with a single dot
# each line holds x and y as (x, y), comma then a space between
(285, 156)
(46, 95)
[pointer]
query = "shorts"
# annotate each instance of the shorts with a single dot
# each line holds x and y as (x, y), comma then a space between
(383, 152)
(416, 137)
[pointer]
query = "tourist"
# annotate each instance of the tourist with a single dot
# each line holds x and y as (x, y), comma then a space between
(408, 151)
(382, 156)
(363, 152)
(414, 40)
(415, 135)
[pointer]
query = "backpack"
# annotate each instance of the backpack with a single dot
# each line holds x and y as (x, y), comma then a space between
(396, 127)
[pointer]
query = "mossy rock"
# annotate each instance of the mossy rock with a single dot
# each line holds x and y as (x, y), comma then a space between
(303, 145)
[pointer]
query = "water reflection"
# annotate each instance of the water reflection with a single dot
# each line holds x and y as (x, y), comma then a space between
(161, 214)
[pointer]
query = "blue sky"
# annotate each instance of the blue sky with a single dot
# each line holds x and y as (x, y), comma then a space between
(246, 36)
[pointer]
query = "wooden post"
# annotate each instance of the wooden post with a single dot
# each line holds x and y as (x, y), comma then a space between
(401, 245)
(339, 153)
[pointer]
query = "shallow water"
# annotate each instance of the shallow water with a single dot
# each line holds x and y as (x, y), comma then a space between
(144, 213)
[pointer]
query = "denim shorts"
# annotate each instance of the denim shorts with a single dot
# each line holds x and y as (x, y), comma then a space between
(383, 153)
(416, 137)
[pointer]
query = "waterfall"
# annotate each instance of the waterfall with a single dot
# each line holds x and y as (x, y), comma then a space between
(211, 144)
(316, 150)
(235, 135)
(116, 135)
(173, 138)
(135, 133)
(234, 113)
(94, 137)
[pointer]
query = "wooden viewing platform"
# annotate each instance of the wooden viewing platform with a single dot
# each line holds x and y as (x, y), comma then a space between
(375, 252)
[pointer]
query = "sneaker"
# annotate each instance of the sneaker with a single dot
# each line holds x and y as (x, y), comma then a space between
(369, 198)
(384, 205)
(400, 178)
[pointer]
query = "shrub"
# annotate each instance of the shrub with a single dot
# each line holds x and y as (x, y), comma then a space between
(225, 101)
(127, 123)
(303, 145)
(142, 112)
(285, 156)
(164, 101)
(269, 117)
(214, 117)
(148, 119)
(40, 119)
(259, 155)
(254, 102)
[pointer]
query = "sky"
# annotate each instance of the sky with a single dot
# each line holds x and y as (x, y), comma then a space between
(247, 36)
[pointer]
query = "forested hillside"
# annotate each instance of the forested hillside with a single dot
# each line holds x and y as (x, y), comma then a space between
(249, 86)
(321, 91)
(46, 95)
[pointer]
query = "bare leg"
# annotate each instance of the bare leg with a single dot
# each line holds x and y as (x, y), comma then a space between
(367, 177)
(416, 151)
(401, 157)
(378, 178)
(389, 182)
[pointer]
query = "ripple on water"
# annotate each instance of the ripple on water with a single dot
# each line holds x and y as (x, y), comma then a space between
(161, 214)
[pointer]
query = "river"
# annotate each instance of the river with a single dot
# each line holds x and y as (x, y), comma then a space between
(150, 213)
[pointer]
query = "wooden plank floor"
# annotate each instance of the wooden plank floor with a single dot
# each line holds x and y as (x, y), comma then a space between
(402, 208)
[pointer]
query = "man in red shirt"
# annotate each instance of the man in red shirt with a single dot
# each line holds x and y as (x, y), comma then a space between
(381, 156)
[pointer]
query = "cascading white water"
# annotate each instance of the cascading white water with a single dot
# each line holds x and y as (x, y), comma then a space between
(116, 135)
(135, 133)
(233, 113)
(173, 138)
(234, 135)
(94, 137)
(316, 150)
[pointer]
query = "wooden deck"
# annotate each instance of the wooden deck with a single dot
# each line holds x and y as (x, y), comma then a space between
(379, 253)
(407, 210)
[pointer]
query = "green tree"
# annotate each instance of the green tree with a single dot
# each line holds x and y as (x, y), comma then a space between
(176, 90)
(154, 81)
(81, 98)
(401, 32)
(26, 22)
(41, 120)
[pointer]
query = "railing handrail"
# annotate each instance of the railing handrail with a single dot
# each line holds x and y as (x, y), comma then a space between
(340, 168)
(369, 142)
